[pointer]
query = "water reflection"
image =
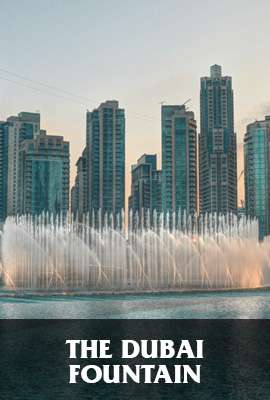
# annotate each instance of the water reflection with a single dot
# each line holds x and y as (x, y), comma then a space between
(229, 305)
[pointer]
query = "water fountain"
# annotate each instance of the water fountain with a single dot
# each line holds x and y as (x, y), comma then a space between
(164, 252)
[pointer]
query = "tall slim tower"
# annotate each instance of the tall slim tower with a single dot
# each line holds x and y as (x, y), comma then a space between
(79, 190)
(105, 143)
(3, 169)
(257, 173)
(24, 126)
(217, 145)
(179, 159)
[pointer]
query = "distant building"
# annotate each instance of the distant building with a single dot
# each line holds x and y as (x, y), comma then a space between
(43, 182)
(3, 170)
(24, 126)
(74, 200)
(257, 173)
(106, 158)
(241, 212)
(179, 159)
(157, 191)
(79, 190)
(217, 145)
(145, 188)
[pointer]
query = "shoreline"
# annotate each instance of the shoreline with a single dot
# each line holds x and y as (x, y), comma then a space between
(24, 293)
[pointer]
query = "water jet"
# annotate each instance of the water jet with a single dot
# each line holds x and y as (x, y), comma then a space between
(47, 253)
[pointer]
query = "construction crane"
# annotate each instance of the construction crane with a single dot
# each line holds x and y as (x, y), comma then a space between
(163, 102)
(240, 175)
(186, 102)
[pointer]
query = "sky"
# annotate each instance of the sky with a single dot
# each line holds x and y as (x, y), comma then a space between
(140, 53)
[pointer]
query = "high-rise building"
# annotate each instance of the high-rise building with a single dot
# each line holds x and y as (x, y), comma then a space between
(43, 182)
(24, 126)
(3, 169)
(145, 188)
(74, 200)
(217, 145)
(179, 159)
(105, 143)
(257, 173)
(79, 190)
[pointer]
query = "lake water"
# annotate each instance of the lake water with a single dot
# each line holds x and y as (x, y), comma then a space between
(213, 305)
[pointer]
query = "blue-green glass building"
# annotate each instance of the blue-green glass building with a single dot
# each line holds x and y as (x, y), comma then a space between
(217, 145)
(44, 175)
(179, 159)
(146, 191)
(105, 142)
(257, 173)
(79, 190)
(3, 169)
(25, 125)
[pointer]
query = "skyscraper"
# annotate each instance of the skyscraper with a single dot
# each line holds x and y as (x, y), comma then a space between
(79, 190)
(145, 187)
(106, 158)
(217, 145)
(179, 159)
(24, 126)
(3, 169)
(44, 175)
(257, 173)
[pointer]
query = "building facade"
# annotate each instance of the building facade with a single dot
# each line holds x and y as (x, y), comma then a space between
(44, 175)
(105, 143)
(179, 159)
(79, 190)
(3, 170)
(217, 145)
(257, 173)
(146, 188)
(24, 126)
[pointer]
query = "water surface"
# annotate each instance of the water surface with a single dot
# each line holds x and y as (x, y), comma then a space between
(210, 305)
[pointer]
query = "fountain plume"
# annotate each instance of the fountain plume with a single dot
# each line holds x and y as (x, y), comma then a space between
(159, 252)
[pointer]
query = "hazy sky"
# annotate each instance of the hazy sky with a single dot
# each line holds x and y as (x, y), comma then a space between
(138, 52)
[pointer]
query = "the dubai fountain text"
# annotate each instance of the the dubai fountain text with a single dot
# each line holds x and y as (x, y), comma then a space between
(157, 372)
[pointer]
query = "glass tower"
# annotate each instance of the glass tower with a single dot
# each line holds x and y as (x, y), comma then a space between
(24, 126)
(79, 190)
(44, 175)
(179, 159)
(106, 158)
(217, 145)
(3, 169)
(145, 188)
(257, 173)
